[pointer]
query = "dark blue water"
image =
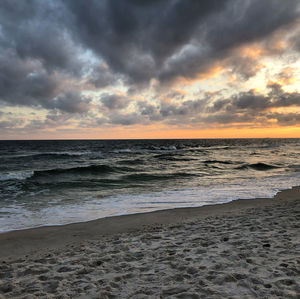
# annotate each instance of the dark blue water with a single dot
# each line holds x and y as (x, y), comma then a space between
(57, 182)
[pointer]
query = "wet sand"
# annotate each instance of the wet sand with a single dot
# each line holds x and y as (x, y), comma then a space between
(242, 249)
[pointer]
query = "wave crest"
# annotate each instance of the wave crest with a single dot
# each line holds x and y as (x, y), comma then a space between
(258, 166)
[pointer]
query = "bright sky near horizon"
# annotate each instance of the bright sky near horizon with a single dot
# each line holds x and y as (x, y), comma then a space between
(149, 69)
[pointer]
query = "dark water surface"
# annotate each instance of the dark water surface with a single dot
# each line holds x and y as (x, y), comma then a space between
(58, 182)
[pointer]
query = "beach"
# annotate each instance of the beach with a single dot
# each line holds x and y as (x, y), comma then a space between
(149, 149)
(242, 249)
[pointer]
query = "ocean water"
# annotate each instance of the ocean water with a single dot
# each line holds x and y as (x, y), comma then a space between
(58, 182)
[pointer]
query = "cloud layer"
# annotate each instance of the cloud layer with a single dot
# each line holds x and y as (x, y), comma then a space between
(90, 60)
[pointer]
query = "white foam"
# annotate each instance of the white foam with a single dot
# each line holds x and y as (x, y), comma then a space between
(70, 153)
(169, 148)
(16, 217)
(124, 150)
(16, 175)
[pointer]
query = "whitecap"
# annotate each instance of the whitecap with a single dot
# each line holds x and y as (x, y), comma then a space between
(16, 175)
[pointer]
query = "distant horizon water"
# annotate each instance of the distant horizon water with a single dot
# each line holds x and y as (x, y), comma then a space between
(149, 139)
(55, 182)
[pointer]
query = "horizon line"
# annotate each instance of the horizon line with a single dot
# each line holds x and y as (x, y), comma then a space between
(114, 139)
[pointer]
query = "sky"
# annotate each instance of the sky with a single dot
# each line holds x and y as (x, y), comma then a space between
(111, 69)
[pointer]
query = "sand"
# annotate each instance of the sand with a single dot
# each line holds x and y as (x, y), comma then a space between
(243, 249)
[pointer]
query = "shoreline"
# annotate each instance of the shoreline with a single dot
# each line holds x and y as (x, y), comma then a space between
(241, 249)
(17, 243)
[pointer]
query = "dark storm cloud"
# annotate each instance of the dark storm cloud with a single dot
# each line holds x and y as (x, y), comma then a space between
(25, 82)
(36, 29)
(145, 40)
(246, 21)
(45, 45)
(36, 56)
(136, 38)
(241, 22)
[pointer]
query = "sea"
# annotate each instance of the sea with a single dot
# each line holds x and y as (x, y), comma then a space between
(55, 182)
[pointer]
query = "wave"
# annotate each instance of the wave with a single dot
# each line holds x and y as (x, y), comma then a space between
(168, 148)
(83, 170)
(49, 155)
(216, 147)
(266, 146)
(295, 168)
(148, 149)
(132, 162)
(123, 151)
(258, 166)
(15, 175)
(92, 169)
(162, 148)
(70, 153)
(150, 177)
(171, 157)
(217, 161)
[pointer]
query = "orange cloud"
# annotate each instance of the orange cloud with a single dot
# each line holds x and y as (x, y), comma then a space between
(212, 72)
(181, 91)
(253, 51)
(285, 110)
(287, 76)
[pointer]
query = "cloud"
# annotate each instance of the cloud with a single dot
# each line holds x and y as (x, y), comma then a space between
(254, 108)
(126, 119)
(38, 58)
(114, 101)
(25, 82)
(166, 39)
(101, 77)
(244, 107)
(247, 107)
(287, 76)
(141, 41)
(70, 102)
(11, 124)
(37, 30)
(244, 67)
(53, 53)
(53, 120)
(288, 119)
(250, 100)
